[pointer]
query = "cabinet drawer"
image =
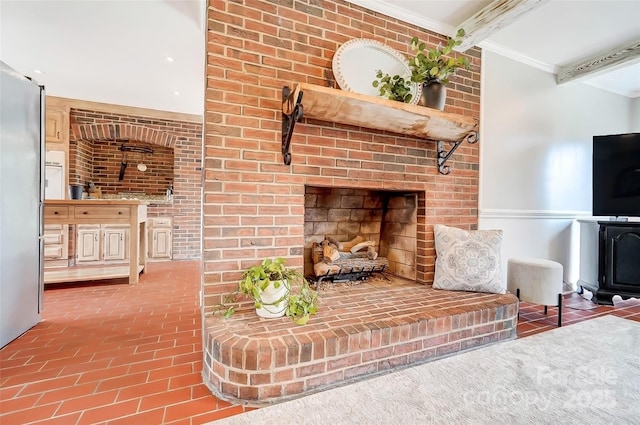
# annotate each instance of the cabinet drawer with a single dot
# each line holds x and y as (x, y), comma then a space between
(160, 222)
(52, 238)
(101, 212)
(52, 251)
(53, 227)
(55, 212)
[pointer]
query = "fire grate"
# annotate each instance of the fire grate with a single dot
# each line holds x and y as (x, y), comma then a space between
(351, 269)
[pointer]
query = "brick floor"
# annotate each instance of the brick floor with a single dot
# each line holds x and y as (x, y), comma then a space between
(111, 353)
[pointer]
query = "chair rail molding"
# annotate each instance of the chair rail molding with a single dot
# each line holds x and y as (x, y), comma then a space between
(532, 214)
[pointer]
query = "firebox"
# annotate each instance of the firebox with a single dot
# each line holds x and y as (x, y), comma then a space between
(352, 233)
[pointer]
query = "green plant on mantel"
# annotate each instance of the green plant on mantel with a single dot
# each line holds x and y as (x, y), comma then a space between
(393, 88)
(427, 64)
(433, 63)
(295, 298)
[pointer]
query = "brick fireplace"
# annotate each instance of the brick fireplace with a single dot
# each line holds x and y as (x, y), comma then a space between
(255, 206)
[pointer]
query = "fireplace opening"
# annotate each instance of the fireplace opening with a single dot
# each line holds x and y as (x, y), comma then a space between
(351, 234)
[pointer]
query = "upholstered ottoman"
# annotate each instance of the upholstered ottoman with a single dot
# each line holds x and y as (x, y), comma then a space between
(536, 281)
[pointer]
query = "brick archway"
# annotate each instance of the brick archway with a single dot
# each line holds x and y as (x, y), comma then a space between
(134, 133)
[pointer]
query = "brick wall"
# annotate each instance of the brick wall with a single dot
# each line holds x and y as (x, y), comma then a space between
(104, 160)
(186, 166)
(80, 161)
(253, 205)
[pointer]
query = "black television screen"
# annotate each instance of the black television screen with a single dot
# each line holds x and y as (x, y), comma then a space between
(616, 175)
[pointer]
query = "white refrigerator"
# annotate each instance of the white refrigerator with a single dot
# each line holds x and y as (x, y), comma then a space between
(21, 194)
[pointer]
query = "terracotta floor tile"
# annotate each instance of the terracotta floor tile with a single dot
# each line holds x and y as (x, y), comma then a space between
(149, 417)
(108, 412)
(62, 394)
(19, 403)
(166, 398)
(87, 402)
(117, 354)
(143, 390)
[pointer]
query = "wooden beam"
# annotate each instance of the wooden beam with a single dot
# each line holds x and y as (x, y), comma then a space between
(614, 58)
(492, 18)
(64, 102)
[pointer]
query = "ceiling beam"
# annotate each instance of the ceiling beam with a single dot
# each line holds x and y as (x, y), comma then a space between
(492, 18)
(609, 60)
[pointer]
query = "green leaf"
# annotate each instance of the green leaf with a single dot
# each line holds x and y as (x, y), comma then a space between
(302, 321)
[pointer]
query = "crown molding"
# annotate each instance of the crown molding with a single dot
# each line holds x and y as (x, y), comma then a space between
(405, 16)
(518, 57)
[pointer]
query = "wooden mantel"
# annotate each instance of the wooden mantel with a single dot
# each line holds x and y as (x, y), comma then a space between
(106, 211)
(344, 107)
(349, 108)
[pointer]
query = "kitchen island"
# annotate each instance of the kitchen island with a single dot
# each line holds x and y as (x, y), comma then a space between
(102, 211)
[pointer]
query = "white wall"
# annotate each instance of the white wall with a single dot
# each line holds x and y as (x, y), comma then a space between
(535, 157)
(635, 115)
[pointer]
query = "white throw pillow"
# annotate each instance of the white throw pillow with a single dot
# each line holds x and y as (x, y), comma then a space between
(468, 261)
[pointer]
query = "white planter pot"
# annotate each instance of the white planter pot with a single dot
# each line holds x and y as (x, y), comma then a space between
(274, 300)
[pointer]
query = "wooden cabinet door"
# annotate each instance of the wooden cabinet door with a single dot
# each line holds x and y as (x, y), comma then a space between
(88, 243)
(54, 127)
(161, 243)
(116, 243)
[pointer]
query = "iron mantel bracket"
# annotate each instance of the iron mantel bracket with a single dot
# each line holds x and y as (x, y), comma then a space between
(443, 156)
(291, 113)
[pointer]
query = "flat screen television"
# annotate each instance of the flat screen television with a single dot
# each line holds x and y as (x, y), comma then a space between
(616, 175)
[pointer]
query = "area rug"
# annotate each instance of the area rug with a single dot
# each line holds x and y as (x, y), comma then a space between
(585, 373)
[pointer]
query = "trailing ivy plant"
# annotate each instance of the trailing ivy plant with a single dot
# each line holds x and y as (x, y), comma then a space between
(301, 300)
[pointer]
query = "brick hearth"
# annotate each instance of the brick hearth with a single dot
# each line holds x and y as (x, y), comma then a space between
(360, 331)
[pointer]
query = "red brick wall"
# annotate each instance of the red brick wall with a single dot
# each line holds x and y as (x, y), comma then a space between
(187, 173)
(105, 160)
(80, 161)
(253, 205)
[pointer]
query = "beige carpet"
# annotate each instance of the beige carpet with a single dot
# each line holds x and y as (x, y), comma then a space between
(586, 373)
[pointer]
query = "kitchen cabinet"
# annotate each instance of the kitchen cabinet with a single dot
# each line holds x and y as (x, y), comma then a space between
(56, 125)
(56, 246)
(87, 243)
(128, 214)
(101, 244)
(160, 238)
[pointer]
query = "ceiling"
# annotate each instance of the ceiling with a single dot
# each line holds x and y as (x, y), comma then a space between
(118, 52)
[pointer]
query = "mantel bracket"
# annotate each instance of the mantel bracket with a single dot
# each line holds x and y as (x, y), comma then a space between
(443, 156)
(291, 113)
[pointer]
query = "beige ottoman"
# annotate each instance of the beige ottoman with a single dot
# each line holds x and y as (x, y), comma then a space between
(536, 281)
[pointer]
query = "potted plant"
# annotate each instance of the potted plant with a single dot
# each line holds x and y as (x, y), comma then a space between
(276, 290)
(393, 88)
(432, 68)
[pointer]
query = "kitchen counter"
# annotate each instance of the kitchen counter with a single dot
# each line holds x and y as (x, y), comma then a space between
(105, 211)
(149, 199)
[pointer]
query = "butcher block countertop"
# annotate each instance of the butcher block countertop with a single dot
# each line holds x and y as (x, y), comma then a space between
(94, 211)
(75, 202)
